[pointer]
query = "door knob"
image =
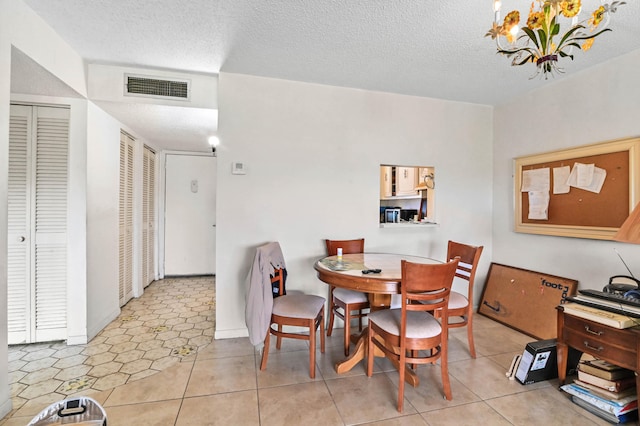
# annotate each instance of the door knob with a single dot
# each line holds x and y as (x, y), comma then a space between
(22, 239)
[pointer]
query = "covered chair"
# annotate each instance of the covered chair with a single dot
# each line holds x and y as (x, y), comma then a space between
(270, 308)
(412, 335)
(461, 305)
(343, 301)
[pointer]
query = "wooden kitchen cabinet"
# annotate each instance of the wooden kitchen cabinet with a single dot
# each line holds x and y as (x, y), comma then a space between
(406, 181)
(386, 187)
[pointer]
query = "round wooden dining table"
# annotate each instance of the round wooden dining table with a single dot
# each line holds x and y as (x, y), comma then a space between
(350, 272)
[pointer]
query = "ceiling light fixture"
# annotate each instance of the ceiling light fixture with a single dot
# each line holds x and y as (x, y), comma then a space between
(629, 232)
(214, 141)
(551, 32)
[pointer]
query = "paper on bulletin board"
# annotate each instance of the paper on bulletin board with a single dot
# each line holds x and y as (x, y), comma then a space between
(560, 177)
(539, 205)
(587, 177)
(535, 180)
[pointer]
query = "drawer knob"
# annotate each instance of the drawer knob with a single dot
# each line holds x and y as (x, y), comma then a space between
(588, 330)
(598, 349)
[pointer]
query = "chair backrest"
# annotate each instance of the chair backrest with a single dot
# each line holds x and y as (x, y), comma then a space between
(348, 246)
(278, 280)
(427, 284)
(469, 257)
(426, 287)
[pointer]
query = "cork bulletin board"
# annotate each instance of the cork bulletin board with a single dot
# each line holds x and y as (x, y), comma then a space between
(525, 300)
(581, 213)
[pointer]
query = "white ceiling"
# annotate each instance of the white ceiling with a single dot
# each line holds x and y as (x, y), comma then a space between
(415, 47)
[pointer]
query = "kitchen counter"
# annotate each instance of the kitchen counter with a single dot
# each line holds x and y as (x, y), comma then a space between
(409, 225)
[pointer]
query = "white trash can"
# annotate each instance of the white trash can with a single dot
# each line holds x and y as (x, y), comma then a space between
(73, 411)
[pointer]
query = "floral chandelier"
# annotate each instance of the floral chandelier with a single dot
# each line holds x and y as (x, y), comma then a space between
(552, 31)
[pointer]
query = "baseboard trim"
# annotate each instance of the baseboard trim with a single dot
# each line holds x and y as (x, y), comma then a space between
(231, 334)
(5, 408)
(189, 276)
(93, 331)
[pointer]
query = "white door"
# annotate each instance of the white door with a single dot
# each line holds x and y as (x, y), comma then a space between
(37, 224)
(190, 215)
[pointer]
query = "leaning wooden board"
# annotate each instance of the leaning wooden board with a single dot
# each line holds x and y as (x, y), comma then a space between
(525, 300)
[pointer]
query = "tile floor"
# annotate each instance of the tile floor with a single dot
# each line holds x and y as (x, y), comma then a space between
(222, 385)
(171, 321)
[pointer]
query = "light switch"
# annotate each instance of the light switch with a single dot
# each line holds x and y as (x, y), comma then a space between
(238, 168)
(194, 186)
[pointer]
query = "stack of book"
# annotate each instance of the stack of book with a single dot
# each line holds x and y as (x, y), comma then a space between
(605, 390)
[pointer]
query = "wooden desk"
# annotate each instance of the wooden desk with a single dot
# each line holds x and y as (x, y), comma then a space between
(617, 346)
(379, 288)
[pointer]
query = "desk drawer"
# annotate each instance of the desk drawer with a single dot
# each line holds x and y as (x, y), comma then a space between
(607, 336)
(595, 347)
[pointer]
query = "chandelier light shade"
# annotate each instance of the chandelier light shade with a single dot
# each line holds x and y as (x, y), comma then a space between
(552, 30)
(629, 232)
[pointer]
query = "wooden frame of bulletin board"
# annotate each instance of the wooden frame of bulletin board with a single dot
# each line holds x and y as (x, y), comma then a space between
(581, 213)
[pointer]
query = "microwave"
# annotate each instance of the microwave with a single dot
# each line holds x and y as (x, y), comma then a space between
(392, 215)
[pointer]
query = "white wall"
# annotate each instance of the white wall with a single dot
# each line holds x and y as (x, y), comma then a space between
(107, 83)
(103, 168)
(597, 105)
(312, 155)
(5, 86)
(22, 28)
(34, 37)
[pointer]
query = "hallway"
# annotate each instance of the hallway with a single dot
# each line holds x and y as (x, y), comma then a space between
(168, 324)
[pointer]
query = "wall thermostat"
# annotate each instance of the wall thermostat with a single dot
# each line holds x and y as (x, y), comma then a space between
(238, 168)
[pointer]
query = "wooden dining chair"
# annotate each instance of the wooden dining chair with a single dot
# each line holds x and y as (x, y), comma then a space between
(296, 310)
(461, 305)
(412, 335)
(345, 300)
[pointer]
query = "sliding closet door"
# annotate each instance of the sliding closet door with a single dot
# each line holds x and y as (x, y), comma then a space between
(19, 225)
(148, 216)
(126, 219)
(37, 224)
(51, 223)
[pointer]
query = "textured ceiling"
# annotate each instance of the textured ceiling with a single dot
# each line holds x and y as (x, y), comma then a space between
(423, 48)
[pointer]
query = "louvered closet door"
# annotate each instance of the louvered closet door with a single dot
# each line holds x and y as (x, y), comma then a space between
(51, 223)
(19, 225)
(37, 280)
(148, 217)
(126, 219)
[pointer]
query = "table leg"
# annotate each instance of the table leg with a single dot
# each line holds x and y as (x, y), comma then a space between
(357, 355)
(360, 354)
(562, 353)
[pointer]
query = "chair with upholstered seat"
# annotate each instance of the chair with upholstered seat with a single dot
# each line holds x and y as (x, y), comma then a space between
(297, 310)
(461, 305)
(343, 299)
(412, 335)
(268, 304)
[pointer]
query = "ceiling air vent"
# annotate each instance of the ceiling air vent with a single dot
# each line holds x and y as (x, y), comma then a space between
(137, 85)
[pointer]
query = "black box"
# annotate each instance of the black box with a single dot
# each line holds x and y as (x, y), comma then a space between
(539, 362)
